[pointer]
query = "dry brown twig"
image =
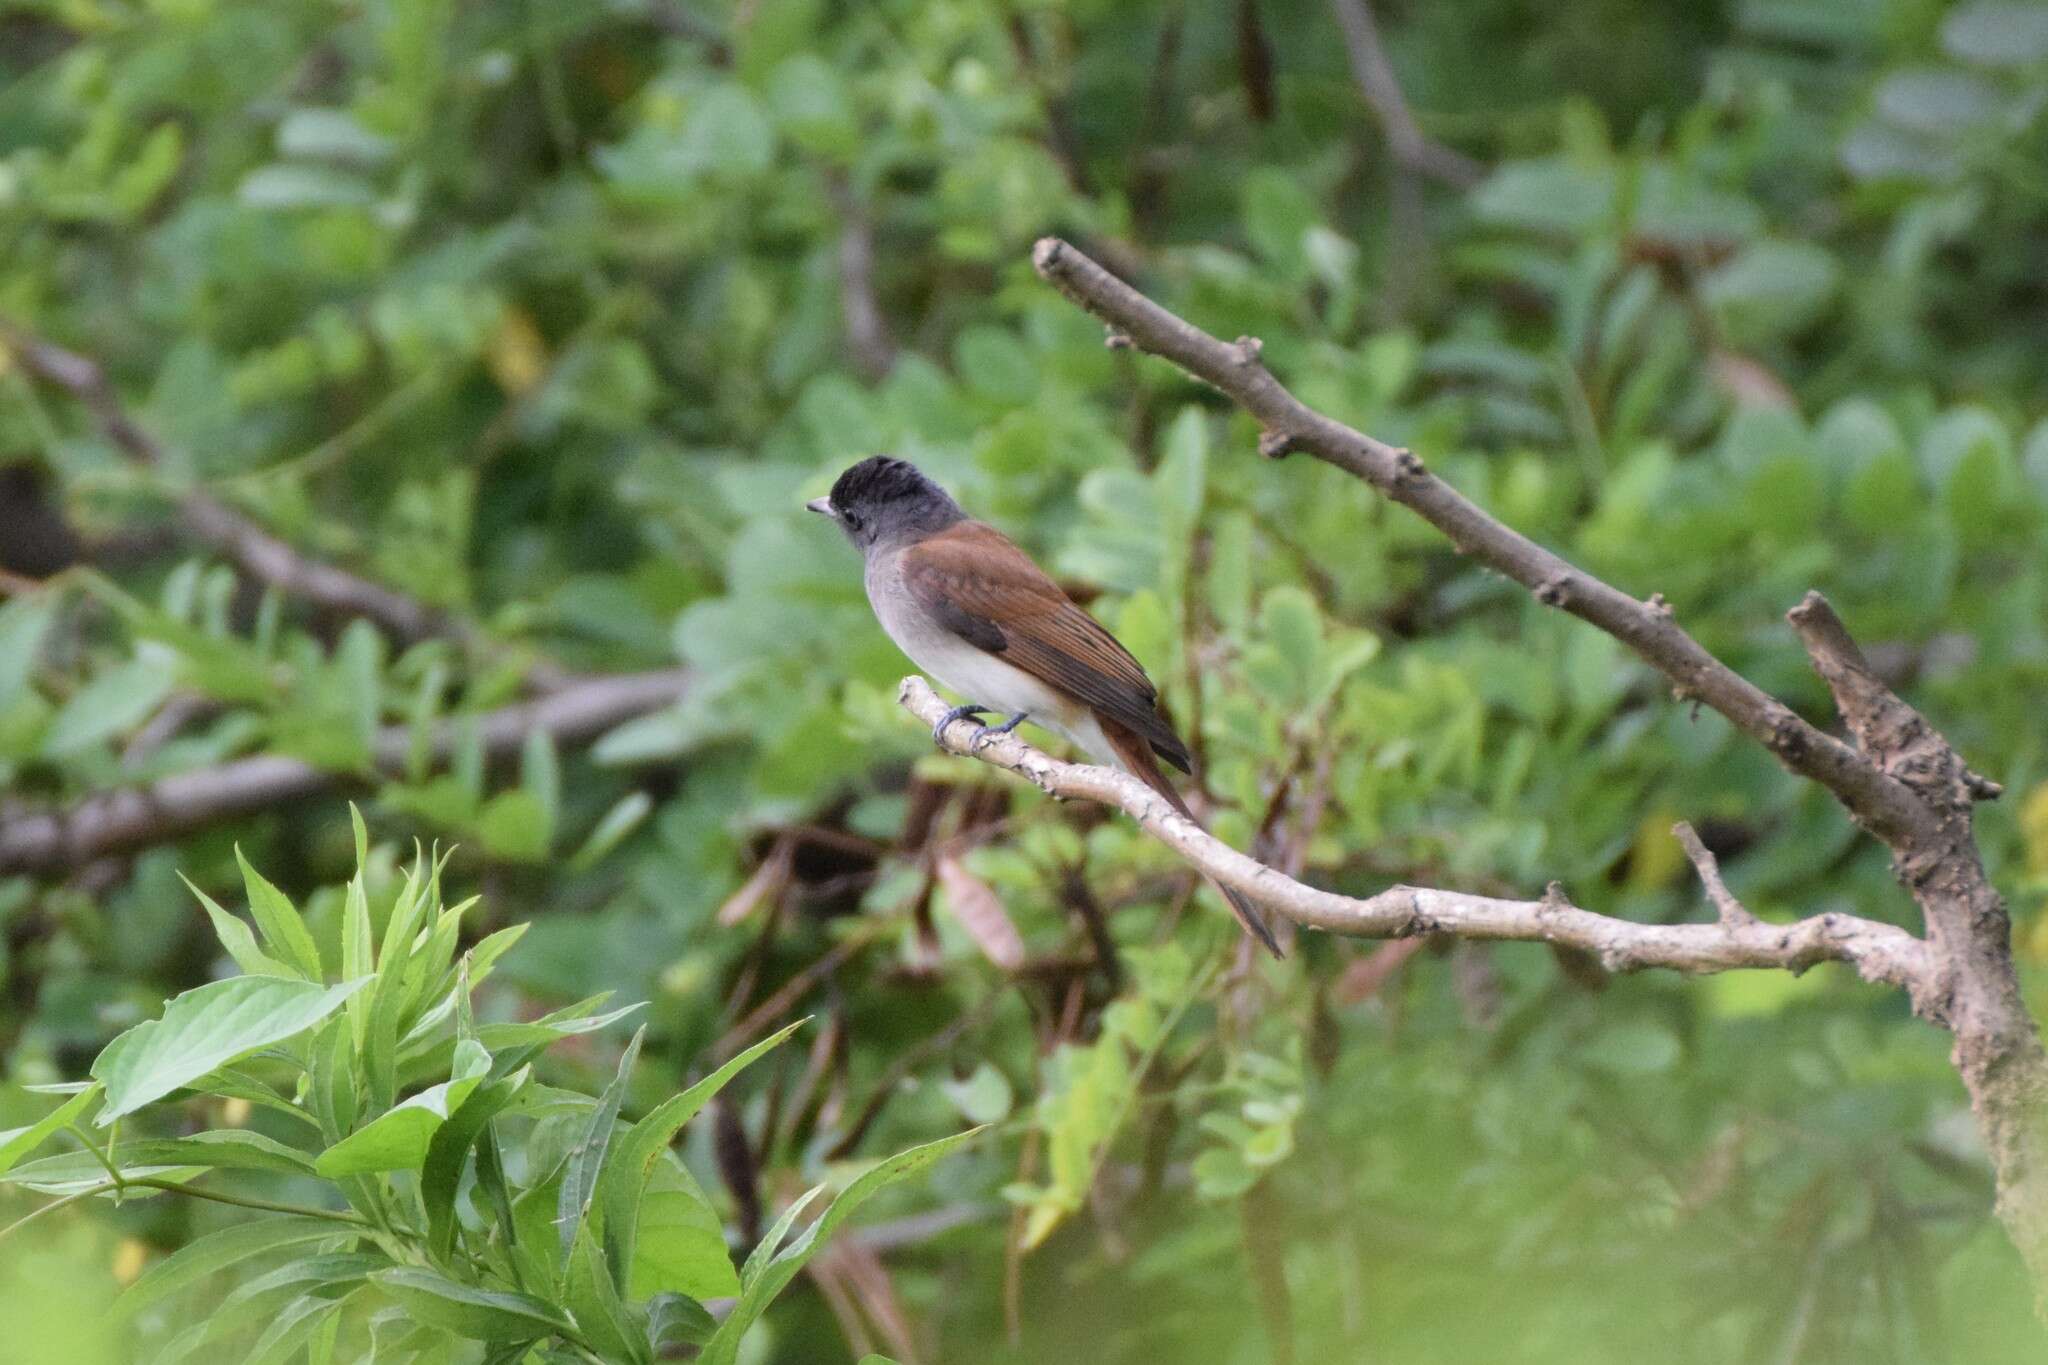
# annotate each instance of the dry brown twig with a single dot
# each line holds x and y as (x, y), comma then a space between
(1896, 776)
(129, 818)
(1374, 73)
(265, 558)
(1880, 952)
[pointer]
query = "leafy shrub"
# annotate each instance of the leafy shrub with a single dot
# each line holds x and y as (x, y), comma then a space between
(482, 1206)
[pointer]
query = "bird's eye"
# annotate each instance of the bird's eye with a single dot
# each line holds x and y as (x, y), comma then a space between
(851, 520)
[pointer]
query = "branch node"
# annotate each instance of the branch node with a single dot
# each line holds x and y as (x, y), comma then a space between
(1734, 915)
(1555, 591)
(1981, 788)
(1787, 733)
(1248, 350)
(1276, 445)
(1407, 464)
(1116, 338)
(1658, 607)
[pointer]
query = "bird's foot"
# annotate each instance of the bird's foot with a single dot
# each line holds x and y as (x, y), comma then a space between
(987, 733)
(957, 713)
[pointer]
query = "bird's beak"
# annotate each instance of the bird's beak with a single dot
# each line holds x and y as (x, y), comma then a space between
(822, 506)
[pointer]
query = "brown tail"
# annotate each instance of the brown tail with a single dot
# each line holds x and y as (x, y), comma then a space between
(1136, 757)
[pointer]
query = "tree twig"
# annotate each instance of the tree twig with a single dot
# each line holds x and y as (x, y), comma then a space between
(1898, 777)
(129, 818)
(264, 557)
(1879, 952)
(1731, 910)
(1382, 90)
(1883, 805)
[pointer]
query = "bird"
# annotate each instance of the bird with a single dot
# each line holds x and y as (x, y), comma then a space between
(971, 608)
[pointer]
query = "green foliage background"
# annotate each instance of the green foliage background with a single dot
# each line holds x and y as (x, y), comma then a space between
(534, 311)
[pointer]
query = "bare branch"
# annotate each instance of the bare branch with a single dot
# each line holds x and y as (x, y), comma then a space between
(1890, 733)
(1731, 910)
(1382, 90)
(1900, 780)
(1879, 952)
(1884, 806)
(123, 820)
(264, 557)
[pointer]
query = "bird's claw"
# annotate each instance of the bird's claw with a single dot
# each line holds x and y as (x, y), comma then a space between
(957, 713)
(987, 734)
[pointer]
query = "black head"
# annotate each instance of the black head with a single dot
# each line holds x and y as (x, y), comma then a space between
(883, 499)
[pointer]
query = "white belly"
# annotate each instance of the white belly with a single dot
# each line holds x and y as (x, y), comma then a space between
(978, 676)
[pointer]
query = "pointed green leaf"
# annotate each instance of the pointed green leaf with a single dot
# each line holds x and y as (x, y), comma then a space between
(754, 1299)
(593, 1296)
(227, 1149)
(679, 1244)
(23, 620)
(16, 1143)
(279, 920)
(108, 705)
(447, 1153)
(397, 1139)
(206, 1028)
(625, 1174)
(238, 939)
(216, 1251)
(586, 1158)
(479, 1314)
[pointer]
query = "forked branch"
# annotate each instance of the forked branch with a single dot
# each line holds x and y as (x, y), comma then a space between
(1879, 952)
(1896, 775)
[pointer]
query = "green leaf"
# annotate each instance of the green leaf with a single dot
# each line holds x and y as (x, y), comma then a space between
(724, 1347)
(1290, 619)
(238, 939)
(507, 1037)
(225, 1149)
(1997, 32)
(621, 820)
(269, 1295)
(994, 362)
(448, 1152)
(291, 1329)
(280, 923)
(479, 1314)
(358, 945)
(586, 1159)
(515, 826)
(679, 1320)
(16, 1143)
(206, 1028)
(1638, 1048)
(983, 1097)
(216, 1251)
(679, 1244)
(23, 622)
(398, 1139)
(632, 1160)
(111, 703)
(540, 776)
(593, 1296)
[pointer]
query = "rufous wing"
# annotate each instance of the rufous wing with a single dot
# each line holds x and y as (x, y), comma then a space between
(987, 591)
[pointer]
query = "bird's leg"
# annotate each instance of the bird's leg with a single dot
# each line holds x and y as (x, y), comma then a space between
(988, 732)
(957, 713)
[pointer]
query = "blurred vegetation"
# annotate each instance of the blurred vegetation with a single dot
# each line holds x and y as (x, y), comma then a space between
(551, 315)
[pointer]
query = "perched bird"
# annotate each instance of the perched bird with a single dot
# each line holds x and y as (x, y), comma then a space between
(972, 610)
